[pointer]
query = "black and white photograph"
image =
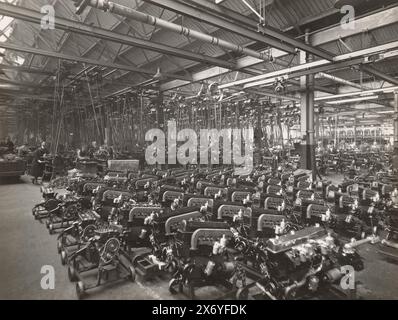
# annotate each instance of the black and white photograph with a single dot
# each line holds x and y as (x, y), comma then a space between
(171, 151)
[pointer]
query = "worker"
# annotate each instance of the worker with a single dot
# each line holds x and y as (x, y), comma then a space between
(93, 149)
(38, 162)
(83, 153)
(110, 152)
(10, 145)
(23, 151)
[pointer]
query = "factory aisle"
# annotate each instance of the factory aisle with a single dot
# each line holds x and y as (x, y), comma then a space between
(26, 247)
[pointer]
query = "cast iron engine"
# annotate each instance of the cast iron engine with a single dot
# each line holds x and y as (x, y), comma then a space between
(302, 263)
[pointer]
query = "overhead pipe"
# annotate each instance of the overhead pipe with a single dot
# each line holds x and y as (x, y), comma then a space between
(359, 57)
(124, 11)
(339, 80)
(36, 17)
(358, 93)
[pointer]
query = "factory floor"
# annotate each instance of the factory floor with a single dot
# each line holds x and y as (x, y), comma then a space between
(26, 246)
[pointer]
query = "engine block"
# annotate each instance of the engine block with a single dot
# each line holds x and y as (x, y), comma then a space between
(291, 240)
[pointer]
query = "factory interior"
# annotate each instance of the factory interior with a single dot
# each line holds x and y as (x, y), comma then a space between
(199, 150)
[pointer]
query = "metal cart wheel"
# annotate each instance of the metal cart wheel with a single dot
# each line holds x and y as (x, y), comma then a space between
(133, 274)
(80, 290)
(63, 258)
(242, 294)
(59, 246)
(72, 274)
(174, 282)
(191, 292)
(172, 267)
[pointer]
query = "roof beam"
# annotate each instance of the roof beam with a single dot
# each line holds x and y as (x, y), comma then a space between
(243, 20)
(204, 16)
(21, 84)
(265, 34)
(308, 70)
(156, 22)
(226, 13)
(378, 74)
(359, 57)
(91, 31)
(367, 23)
(62, 56)
(295, 42)
(324, 65)
(339, 62)
(25, 69)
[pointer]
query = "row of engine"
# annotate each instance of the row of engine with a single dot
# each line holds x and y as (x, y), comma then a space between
(271, 234)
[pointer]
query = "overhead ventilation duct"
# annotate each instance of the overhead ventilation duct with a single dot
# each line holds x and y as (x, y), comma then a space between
(127, 12)
(321, 75)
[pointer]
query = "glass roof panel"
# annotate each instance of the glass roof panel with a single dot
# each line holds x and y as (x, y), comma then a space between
(6, 29)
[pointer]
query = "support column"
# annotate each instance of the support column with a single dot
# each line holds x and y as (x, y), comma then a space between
(103, 125)
(395, 157)
(160, 113)
(141, 117)
(307, 116)
(304, 100)
(317, 127)
(311, 125)
(3, 129)
(108, 136)
(108, 129)
(336, 131)
(355, 130)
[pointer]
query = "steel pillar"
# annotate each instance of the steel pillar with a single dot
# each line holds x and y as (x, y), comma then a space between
(307, 116)
(304, 97)
(355, 129)
(395, 157)
(336, 131)
(317, 128)
(396, 119)
(311, 129)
